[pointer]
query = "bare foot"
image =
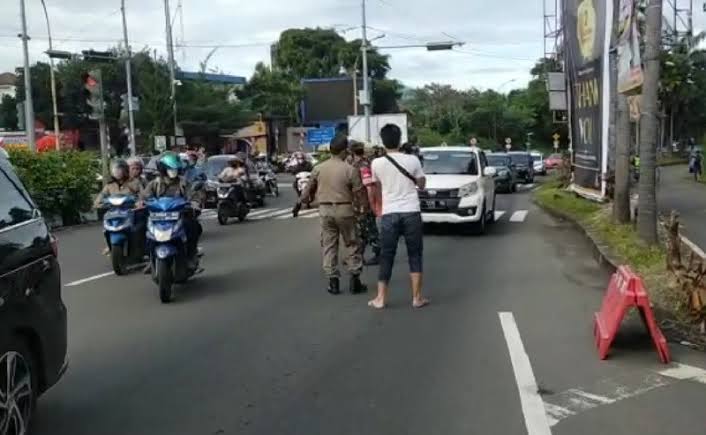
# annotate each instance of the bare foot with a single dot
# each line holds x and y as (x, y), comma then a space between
(420, 303)
(377, 304)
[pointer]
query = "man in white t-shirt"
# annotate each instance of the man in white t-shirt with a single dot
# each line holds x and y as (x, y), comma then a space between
(399, 176)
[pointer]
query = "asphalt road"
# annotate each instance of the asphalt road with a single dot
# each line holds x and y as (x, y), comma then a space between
(678, 191)
(255, 345)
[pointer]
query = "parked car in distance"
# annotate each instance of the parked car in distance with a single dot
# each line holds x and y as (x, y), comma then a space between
(32, 314)
(460, 187)
(524, 166)
(506, 178)
(554, 161)
(538, 162)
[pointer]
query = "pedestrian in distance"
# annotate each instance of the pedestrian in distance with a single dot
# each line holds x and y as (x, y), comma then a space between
(367, 227)
(698, 165)
(399, 176)
(473, 141)
(342, 197)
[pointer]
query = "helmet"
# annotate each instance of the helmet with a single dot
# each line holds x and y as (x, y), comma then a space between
(119, 169)
(170, 165)
(135, 161)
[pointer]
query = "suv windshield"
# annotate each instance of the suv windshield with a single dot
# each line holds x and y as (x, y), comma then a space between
(450, 162)
(536, 157)
(498, 160)
(520, 159)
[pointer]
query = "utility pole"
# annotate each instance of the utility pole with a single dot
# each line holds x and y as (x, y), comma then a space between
(128, 74)
(647, 216)
(170, 51)
(29, 107)
(52, 78)
(366, 79)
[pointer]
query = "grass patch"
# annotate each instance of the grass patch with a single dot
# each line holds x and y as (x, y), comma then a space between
(672, 160)
(551, 196)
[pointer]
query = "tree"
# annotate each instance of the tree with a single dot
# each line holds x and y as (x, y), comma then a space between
(647, 205)
(273, 92)
(41, 91)
(8, 113)
(386, 94)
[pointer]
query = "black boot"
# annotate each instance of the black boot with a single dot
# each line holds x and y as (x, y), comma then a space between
(334, 286)
(357, 287)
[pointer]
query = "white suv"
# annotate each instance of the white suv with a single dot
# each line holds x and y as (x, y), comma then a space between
(460, 187)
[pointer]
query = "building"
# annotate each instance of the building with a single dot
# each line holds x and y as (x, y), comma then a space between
(8, 84)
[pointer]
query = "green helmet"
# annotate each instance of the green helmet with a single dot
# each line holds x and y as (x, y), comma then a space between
(169, 164)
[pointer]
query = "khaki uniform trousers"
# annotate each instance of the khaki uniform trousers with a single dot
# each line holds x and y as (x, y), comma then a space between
(339, 222)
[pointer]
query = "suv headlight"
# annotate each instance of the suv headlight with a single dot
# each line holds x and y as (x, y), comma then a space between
(504, 173)
(468, 190)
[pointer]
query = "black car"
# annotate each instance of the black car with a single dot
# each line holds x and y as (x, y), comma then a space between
(506, 178)
(32, 314)
(523, 165)
(214, 166)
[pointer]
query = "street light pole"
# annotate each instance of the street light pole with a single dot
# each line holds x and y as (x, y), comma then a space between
(29, 107)
(128, 74)
(52, 78)
(170, 52)
(366, 78)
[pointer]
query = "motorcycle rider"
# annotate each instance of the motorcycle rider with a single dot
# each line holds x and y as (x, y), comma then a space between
(136, 168)
(192, 172)
(170, 183)
(119, 185)
(234, 172)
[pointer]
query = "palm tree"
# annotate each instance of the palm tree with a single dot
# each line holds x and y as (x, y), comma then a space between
(647, 217)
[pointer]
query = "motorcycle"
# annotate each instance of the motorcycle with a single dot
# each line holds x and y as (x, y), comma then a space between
(232, 202)
(301, 181)
(124, 232)
(168, 249)
(270, 180)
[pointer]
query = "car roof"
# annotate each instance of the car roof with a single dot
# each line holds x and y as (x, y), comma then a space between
(456, 149)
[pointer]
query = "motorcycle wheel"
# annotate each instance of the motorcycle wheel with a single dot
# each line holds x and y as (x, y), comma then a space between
(165, 281)
(222, 216)
(118, 260)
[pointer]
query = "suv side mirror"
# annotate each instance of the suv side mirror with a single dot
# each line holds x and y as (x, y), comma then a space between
(490, 171)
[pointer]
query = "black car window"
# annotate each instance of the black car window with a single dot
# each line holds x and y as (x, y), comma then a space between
(498, 161)
(214, 167)
(450, 162)
(14, 207)
(521, 159)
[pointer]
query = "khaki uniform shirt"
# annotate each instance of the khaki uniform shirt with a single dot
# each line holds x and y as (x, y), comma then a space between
(336, 183)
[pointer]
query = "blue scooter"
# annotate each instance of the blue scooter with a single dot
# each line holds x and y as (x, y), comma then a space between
(124, 232)
(167, 242)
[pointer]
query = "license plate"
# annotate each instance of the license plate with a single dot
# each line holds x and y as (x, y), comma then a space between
(434, 205)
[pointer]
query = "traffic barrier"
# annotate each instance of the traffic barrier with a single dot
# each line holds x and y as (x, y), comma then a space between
(624, 292)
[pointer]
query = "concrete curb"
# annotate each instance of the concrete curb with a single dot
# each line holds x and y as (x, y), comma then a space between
(601, 252)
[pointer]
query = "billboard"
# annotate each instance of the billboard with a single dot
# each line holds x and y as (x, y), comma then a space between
(328, 100)
(630, 76)
(356, 127)
(587, 34)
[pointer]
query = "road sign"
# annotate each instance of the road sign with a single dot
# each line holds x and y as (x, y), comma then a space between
(320, 136)
(160, 143)
(556, 144)
(556, 137)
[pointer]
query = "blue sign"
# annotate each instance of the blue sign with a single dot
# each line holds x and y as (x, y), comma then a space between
(320, 136)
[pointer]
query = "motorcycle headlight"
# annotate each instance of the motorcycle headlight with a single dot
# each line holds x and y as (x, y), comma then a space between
(161, 235)
(468, 190)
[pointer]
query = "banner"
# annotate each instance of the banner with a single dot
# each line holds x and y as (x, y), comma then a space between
(630, 76)
(586, 58)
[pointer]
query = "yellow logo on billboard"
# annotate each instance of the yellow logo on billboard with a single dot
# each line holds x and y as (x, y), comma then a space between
(586, 28)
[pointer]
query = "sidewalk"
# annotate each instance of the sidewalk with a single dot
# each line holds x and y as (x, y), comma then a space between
(679, 192)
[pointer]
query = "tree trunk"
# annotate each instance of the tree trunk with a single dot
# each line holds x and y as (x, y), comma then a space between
(647, 216)
(621, 203)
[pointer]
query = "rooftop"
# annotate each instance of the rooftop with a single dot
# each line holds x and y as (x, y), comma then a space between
(8, 79)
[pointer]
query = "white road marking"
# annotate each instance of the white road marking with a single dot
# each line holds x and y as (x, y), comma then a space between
(303, 214)
(271, 215)
(89, 279)
(575, 401)
(311, 216)
(499, 214)
(536, 420)
(284, 185)
(259, 212)
(519, 216)
(684, 372)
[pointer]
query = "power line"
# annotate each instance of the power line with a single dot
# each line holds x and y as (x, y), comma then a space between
(492, 55)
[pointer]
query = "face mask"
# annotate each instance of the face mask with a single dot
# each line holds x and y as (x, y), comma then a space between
(172, 173)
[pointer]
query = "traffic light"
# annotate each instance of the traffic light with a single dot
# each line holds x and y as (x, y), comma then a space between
(93, 91)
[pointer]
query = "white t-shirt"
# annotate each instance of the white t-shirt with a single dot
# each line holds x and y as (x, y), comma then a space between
(399, 193)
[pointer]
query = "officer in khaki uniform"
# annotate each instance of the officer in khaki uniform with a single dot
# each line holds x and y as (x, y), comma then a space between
(341, 197)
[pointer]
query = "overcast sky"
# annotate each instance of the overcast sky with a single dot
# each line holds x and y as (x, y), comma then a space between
(503, 37)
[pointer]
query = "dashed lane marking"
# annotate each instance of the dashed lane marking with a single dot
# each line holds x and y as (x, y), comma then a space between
(519, 216)
(89, 279)
(499, 214)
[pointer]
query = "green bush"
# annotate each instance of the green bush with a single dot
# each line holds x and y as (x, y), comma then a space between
(61, 183)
